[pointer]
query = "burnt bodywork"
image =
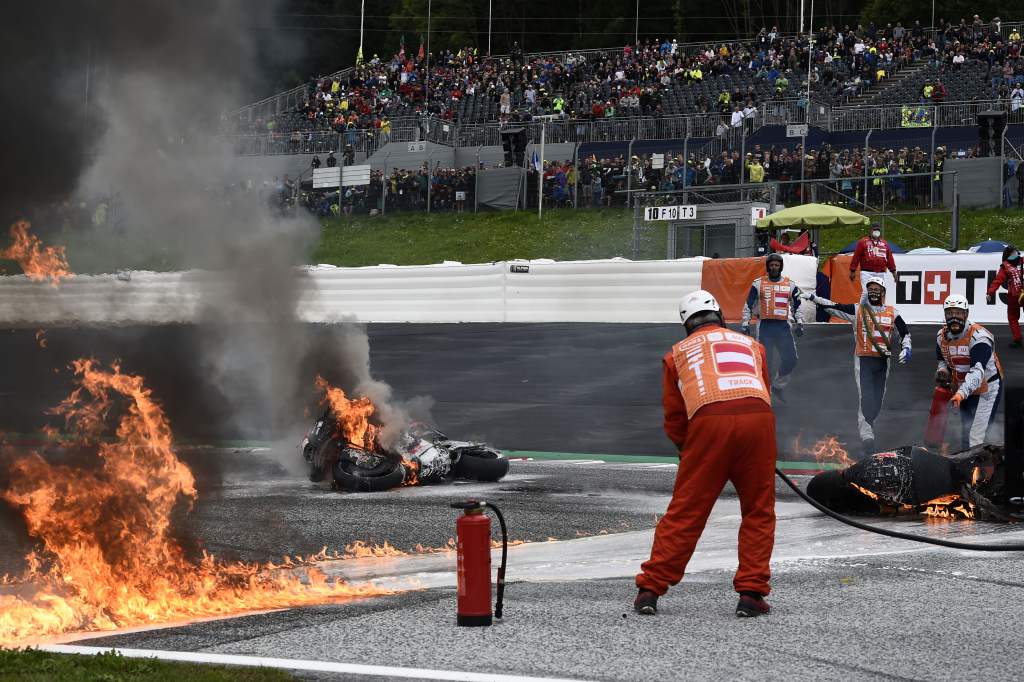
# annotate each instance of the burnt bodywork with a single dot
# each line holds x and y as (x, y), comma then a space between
(913, 478)
(421, 455)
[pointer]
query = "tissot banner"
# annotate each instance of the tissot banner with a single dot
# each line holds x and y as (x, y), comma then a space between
(925, 281)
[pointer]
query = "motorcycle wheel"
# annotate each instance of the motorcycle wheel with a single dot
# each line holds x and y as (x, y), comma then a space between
(315, 459)
(481, 465)
(348, 475)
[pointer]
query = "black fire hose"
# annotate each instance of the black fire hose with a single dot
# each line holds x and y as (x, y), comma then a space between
(504, 557)
(913, 537)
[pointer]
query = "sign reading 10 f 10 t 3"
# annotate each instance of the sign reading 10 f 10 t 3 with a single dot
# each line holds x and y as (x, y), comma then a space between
(670, 212)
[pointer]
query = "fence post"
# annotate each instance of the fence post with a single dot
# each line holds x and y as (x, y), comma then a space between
(931, 174)
(636, 230)
(576, 175)
(629, 173)
(955, 224)
(430, 173)
(1002, 167)
(867, 141)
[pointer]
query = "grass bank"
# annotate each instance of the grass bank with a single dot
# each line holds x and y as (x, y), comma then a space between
(31, 665)
(567, 234)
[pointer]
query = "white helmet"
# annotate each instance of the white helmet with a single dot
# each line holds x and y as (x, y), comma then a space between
(875, 280)
(955, 301)
(697, 302)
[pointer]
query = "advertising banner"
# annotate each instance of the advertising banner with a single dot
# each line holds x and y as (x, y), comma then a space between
(925, 281)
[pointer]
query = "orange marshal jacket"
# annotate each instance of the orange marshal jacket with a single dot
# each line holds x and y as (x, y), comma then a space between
(676, 421)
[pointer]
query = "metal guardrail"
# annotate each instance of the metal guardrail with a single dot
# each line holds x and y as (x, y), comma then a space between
(897, 116)
(693, 126)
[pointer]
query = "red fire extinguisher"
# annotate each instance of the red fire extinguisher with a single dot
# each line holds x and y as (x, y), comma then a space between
(474, 568)
(935, 431)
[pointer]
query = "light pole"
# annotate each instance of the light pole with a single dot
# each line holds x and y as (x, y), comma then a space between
(489, 3)
(807, 112)
(426, 97)
(636, 27)
(362, 16)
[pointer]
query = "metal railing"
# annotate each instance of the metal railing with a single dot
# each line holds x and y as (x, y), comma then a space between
(896, 116)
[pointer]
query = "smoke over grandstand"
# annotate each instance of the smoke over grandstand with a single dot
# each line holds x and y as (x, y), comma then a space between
(126, 98)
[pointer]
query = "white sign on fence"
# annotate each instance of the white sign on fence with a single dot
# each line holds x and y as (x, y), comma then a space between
(417, 147)
(355, 175)
(657, 161)
(796, 130)
(756, 213)
(460, 196)
(688, 212)
(326, 177)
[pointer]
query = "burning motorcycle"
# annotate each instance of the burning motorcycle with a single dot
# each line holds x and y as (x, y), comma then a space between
(912, 478)
(421, 455)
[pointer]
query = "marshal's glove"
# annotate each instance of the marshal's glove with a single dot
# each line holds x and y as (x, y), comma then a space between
(990, 299)
(943, 379)
(799, 329)
(905, 356)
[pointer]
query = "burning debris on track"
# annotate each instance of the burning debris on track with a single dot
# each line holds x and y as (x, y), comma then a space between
(107, 554)
(914, 479)
(346, 442)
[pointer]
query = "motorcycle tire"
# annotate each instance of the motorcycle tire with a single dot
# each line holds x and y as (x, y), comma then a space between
(481, 466)
(315, 459)
(354, 478)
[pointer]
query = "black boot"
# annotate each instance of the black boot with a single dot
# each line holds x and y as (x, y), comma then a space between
(752, 605)
(646, 603)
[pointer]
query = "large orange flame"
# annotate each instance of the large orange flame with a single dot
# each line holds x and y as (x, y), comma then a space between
(354, 425)
(38, 262)
(107, 557)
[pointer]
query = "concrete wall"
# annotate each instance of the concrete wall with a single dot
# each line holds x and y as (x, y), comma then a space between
(397, 155)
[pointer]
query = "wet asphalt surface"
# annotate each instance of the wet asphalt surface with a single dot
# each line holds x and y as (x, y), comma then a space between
(883, 611)
(876, 612)
(559, 387)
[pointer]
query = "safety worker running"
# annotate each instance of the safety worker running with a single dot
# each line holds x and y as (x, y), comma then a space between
(1010, 275)
(775, 301)
(717, 402)
(878, 332)
(967, 356)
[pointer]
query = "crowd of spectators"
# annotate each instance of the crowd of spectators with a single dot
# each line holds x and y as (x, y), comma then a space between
(445, 189)
(738, 81)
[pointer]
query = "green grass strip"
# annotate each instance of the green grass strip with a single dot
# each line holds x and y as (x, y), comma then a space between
(30, 665)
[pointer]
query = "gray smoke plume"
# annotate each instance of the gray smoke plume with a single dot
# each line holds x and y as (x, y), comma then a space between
(148, 84)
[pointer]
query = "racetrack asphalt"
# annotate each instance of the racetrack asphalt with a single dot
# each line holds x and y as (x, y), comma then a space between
(561, 387)
(846, 603)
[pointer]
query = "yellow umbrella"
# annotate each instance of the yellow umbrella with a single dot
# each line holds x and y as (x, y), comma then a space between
(812, 215)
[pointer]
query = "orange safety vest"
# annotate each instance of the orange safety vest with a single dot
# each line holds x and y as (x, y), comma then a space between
(715, 365)
(775, 298)
(957, 354)
(877, 330)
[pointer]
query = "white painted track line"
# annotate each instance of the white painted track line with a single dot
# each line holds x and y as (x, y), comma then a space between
(294, 664)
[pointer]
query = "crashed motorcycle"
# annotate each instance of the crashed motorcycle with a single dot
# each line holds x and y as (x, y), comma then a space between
(916, 479)
(421, 455)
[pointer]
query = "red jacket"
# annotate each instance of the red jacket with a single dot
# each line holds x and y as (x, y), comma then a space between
(676, 421)
(873, 255)
(1010, 275)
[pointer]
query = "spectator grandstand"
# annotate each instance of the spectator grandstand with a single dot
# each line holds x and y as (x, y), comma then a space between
(962, 62)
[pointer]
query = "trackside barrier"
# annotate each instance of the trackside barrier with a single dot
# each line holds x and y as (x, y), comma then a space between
(615, 290)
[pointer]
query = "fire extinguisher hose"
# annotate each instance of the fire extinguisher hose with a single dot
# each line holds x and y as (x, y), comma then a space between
(1009, 547)
(500, 596)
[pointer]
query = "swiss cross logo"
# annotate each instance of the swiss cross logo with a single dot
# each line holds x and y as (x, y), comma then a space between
(936, 286)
